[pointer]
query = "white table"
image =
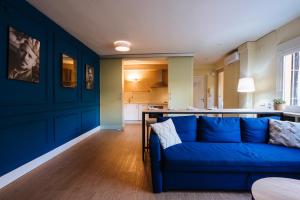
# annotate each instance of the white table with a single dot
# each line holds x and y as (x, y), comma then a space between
(274, 188)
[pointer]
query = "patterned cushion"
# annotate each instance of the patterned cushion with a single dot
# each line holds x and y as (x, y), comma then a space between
(166, 133)
(284, 133)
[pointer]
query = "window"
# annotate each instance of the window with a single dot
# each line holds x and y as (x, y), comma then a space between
(288, 78)
(291, 78)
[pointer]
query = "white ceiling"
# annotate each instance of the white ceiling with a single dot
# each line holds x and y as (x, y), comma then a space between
(145, 61)
(208, 28)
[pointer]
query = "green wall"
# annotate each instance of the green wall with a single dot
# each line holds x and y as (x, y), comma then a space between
(180, 72)
(111, 108)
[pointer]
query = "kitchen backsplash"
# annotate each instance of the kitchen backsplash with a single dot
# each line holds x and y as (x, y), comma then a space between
(155, 95)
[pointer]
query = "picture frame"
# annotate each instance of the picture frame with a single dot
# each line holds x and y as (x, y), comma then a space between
(89, 77)
(23, 56)
(68, 71)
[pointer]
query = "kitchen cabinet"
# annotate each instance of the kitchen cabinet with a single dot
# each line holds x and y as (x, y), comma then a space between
(133, 112)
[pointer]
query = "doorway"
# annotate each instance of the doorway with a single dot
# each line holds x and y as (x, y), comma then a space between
(145, 85)
(220, 89)
(199, 87)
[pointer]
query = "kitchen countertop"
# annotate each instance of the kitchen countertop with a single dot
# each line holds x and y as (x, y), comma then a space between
(292, 114)
(146, 103)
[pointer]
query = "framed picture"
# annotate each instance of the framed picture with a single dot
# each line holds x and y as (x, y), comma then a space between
(89, 77)
(23, 57)
(68, 71)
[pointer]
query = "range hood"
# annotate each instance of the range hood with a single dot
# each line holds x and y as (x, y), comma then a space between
(163, 80)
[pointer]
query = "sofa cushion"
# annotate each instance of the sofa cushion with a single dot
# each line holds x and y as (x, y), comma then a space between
(231, 157)
(285, 133)
(256, 130)
(166, 133)
(186, 127)
(217, 129)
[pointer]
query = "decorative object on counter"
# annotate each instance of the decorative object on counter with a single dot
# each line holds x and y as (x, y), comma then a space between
(192, 108)
(24, 57)
(279, 104)
(153, 108)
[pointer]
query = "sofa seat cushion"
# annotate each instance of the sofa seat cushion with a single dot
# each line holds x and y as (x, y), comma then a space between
(231, 157)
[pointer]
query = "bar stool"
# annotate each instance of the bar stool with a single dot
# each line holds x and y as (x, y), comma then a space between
(148, 123)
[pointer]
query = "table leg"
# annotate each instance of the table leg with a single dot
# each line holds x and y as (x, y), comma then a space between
(143, 136)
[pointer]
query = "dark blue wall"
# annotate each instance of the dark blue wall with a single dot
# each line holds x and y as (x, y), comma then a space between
(36, 118)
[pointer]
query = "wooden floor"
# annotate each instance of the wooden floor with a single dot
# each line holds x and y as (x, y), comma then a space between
(107, 165)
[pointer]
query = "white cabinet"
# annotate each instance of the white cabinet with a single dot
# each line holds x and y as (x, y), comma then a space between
(131, 112)
(134, 111)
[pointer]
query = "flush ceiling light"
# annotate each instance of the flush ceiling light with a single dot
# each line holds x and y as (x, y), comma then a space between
(122, 45)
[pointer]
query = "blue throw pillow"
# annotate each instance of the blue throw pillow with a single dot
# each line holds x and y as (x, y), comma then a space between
(256, 130)
(186, 127)
(216, 129)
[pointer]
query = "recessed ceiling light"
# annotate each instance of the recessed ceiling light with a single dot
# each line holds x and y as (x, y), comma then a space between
(122, 45)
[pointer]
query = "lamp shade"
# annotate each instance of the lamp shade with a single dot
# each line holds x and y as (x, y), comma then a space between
(246, 85)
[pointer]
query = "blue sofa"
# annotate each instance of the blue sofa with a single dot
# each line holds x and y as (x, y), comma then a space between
(219, 154)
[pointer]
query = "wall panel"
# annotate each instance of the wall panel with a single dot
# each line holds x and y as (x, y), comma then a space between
(89, 120)
(23, 138)
(67, 126)
(65, 45)
(38, 117)
(15, 88)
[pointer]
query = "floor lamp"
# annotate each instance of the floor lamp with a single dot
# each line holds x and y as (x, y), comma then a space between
(246, 85)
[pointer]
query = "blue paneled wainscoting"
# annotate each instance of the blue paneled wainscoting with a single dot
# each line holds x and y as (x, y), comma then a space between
(36, 118)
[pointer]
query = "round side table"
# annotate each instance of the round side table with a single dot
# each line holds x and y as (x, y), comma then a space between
(274, 188)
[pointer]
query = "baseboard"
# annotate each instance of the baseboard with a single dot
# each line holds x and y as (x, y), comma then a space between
(112, 127)
(24, 169)
(133, 122)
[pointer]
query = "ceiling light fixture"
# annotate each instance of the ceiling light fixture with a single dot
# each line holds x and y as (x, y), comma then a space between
(133, 77)
(122, 45)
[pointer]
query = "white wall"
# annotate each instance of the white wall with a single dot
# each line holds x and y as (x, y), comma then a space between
(259, 60)
(230, 94)
(265, 65)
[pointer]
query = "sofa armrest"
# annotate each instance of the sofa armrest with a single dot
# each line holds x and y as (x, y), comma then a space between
(155, 156)
(155, 148)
